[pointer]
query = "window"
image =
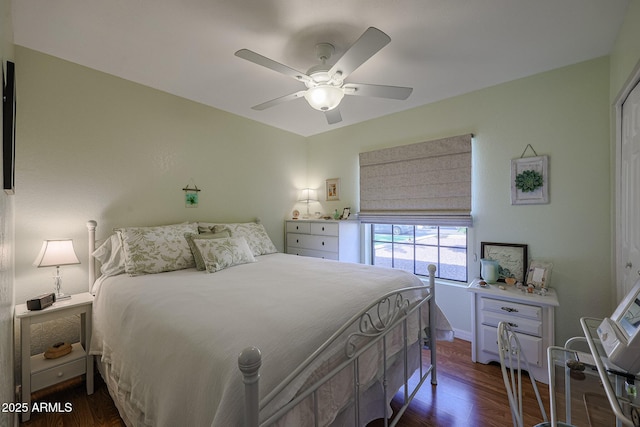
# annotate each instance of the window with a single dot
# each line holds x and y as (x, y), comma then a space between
(413, 247)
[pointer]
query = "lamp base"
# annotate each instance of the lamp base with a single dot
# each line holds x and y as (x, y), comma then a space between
(62, 296)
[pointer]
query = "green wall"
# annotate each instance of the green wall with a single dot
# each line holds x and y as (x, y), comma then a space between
(563, 114)
(94, 146)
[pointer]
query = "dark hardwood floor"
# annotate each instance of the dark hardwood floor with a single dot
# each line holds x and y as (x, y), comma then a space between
(467, 394)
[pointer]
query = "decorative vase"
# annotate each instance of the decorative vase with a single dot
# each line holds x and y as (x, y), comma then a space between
(336, 214)
(489, 270)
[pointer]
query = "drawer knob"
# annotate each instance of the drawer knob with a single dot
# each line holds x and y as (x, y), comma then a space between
(513, 325)
(322, 228)
(60, 374)
(297, 241)
(322, 243)
(509, 309)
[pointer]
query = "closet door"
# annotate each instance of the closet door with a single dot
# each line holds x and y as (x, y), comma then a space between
(628, 241)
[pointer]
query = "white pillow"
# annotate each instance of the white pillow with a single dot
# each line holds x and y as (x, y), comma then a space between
(111, 256)
(225, 252)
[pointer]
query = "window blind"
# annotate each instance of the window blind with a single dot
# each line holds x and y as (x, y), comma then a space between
(424, 183)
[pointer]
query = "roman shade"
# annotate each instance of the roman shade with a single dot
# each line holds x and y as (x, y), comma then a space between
(424, 183)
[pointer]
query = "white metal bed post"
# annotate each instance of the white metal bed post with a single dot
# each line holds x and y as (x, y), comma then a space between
(432, 322)
(249, 362)
(91, 227)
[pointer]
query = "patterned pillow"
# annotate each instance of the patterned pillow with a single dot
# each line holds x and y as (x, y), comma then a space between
(226, 252)
(157, 249)
(194, 249)
(255, 234)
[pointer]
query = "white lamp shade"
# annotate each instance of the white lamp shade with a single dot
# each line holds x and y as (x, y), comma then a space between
(56, 253)
(308, 195)
(324, 97)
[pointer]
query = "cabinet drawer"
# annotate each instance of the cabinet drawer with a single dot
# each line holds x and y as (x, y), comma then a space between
(298, 227)
(531, 346)
(322, 243)
(518, 324)
(325, 229)
(312, 253)
(58, 373)
(297, 240)
(512, 308)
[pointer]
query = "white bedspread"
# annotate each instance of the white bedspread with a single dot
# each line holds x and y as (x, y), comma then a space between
(171, 340)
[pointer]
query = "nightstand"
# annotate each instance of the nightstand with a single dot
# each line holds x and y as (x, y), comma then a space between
(38, 372)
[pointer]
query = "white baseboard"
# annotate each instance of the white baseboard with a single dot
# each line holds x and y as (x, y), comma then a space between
(463, 335)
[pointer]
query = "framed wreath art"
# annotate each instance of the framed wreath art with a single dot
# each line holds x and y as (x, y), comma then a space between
(529, 180)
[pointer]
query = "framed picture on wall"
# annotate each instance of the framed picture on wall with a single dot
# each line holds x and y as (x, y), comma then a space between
(333, 189)
(511, 257)
(530, 180)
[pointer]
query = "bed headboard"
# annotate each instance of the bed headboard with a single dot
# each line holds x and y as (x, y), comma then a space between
(91, 228)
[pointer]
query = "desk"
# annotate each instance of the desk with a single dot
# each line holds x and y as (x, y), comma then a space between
(625, 406)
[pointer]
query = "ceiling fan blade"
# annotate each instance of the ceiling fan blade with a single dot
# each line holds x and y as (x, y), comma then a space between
(333, 116)
(276, 101)
(370, 42)
(379, 91)
(256, 58)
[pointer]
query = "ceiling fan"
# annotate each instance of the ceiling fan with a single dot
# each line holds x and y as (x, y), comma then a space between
(325, 85)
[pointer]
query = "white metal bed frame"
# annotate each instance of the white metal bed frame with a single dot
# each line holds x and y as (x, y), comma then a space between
(372, 325)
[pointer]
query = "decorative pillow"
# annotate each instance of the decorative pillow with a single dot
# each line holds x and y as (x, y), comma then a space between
(225, 252)
(255, 234)
(157, 249)
(194, 249)
(111, 256)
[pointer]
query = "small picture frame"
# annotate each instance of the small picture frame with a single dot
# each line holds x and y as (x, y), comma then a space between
(512, 259)
(333, 189)
(345, 213)
(530, 180)
(191, 199)
(539, 273)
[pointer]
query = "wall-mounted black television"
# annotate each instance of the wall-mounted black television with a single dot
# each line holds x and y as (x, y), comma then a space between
(9, 127)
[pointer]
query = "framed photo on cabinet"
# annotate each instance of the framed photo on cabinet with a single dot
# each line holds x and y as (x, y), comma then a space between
(511, 257)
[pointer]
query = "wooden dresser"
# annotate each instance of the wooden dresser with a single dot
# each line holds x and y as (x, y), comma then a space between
(531, 316)
(330, 239)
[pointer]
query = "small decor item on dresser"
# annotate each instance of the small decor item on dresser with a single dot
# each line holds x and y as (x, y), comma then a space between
(489, 270)
(58, 350)
(539, 274)
(41, 302)
(295, 214)
(345, 213)
(336, 214)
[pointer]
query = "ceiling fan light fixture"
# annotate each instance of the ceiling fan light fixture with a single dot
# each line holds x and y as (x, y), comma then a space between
(324, 97)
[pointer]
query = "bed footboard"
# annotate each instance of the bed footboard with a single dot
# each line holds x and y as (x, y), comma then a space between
(373, 324)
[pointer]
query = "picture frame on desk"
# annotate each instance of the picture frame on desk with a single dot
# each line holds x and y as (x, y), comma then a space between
(512, 259)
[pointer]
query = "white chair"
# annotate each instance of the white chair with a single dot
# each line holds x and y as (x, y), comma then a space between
(512, 362)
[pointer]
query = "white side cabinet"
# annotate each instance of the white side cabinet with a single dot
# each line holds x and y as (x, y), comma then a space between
(338, 240)
(531, 316)
(38, 372)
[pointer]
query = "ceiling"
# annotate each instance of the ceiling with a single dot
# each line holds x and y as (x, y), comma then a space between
(440, 48)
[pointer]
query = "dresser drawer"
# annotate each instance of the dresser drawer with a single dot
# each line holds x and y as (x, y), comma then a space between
(297, 240)
(322, 243)
(512, 308)
(518, 324)
(54, 375)
(532, 347)
(325, 229)
(298, 227)
(312, 253)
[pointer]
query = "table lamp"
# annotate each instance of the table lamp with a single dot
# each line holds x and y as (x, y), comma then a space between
(307, 196)
(57, 253)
